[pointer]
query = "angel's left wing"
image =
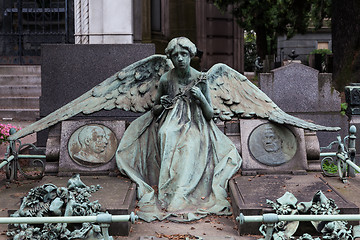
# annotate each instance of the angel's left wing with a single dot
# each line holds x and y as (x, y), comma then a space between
(232, 94)
(133, 88)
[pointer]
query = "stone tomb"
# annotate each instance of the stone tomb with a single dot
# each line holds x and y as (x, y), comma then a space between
(275, 162)
(88, 147)
(248, 196)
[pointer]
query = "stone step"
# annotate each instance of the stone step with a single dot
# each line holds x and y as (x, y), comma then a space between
(20, 80)
(20, 91)
(19, 102)
(20, 70)
(19, 114)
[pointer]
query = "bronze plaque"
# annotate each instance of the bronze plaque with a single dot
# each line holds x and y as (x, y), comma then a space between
(272, 144)
(92, 145)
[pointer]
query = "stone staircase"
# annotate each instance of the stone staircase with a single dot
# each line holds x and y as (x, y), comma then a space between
(20, 90)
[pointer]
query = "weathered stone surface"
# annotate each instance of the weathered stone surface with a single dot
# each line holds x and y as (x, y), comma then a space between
(329, 98)
(302, 92)
(299, 88)
(312, 150)
(104, 162)
(352, 94)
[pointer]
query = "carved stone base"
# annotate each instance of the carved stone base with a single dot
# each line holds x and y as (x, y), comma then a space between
(271, 148)
(249, 194)
(88, 146)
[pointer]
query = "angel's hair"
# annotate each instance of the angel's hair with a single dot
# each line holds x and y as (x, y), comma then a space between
(182, 42)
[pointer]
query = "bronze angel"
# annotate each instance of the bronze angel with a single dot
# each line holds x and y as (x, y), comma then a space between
(176, 146)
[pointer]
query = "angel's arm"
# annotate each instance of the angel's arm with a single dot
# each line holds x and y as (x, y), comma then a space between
(158, 107)
(202, 93)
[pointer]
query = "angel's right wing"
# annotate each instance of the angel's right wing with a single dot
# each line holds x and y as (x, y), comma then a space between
(133, 88)
(233, 94)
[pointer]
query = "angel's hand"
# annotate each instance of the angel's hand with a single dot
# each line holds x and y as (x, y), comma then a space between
(196, 92)
(165, 101)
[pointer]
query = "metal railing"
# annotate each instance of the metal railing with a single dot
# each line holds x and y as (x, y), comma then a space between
(104, 219)
(343, 159)
(12, 157)
(274, 218)
(270, 219)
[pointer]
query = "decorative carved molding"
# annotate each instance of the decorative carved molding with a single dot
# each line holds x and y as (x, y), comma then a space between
(81, 21)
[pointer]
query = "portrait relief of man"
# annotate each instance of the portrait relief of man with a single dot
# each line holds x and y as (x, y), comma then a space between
(92, 144)
(271, 141)
(272, 145)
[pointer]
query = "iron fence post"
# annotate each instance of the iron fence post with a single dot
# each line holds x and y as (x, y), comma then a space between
(352, 149)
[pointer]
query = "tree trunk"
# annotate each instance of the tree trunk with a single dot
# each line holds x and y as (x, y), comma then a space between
(346, 42)
(261, 42)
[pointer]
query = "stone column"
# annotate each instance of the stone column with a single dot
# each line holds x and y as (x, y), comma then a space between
(103, 22)
(81, 14)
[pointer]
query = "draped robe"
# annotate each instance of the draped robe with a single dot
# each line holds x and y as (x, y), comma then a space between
(180, 162)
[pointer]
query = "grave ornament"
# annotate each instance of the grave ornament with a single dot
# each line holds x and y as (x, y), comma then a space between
(258, 65)
(49, 200)
(293, 55)
(319, 205)
(175, 153)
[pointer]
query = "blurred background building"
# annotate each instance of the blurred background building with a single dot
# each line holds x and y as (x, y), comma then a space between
(26, 24)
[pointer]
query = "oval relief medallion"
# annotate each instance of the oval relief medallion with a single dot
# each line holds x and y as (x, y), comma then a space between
(92, 145)
(272, 144)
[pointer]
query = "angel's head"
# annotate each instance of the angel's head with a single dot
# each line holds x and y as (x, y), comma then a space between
(182, 42)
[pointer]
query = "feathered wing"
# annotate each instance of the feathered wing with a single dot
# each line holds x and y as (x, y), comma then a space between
(133, 88)
(232, 94)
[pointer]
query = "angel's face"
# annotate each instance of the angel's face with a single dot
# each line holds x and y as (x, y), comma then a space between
(180, 57)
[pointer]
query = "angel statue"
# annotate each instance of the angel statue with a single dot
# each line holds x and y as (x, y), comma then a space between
(179, 159)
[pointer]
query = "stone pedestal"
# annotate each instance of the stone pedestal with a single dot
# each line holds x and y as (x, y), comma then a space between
(93, 158)
(312, 150)
(271, 148)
